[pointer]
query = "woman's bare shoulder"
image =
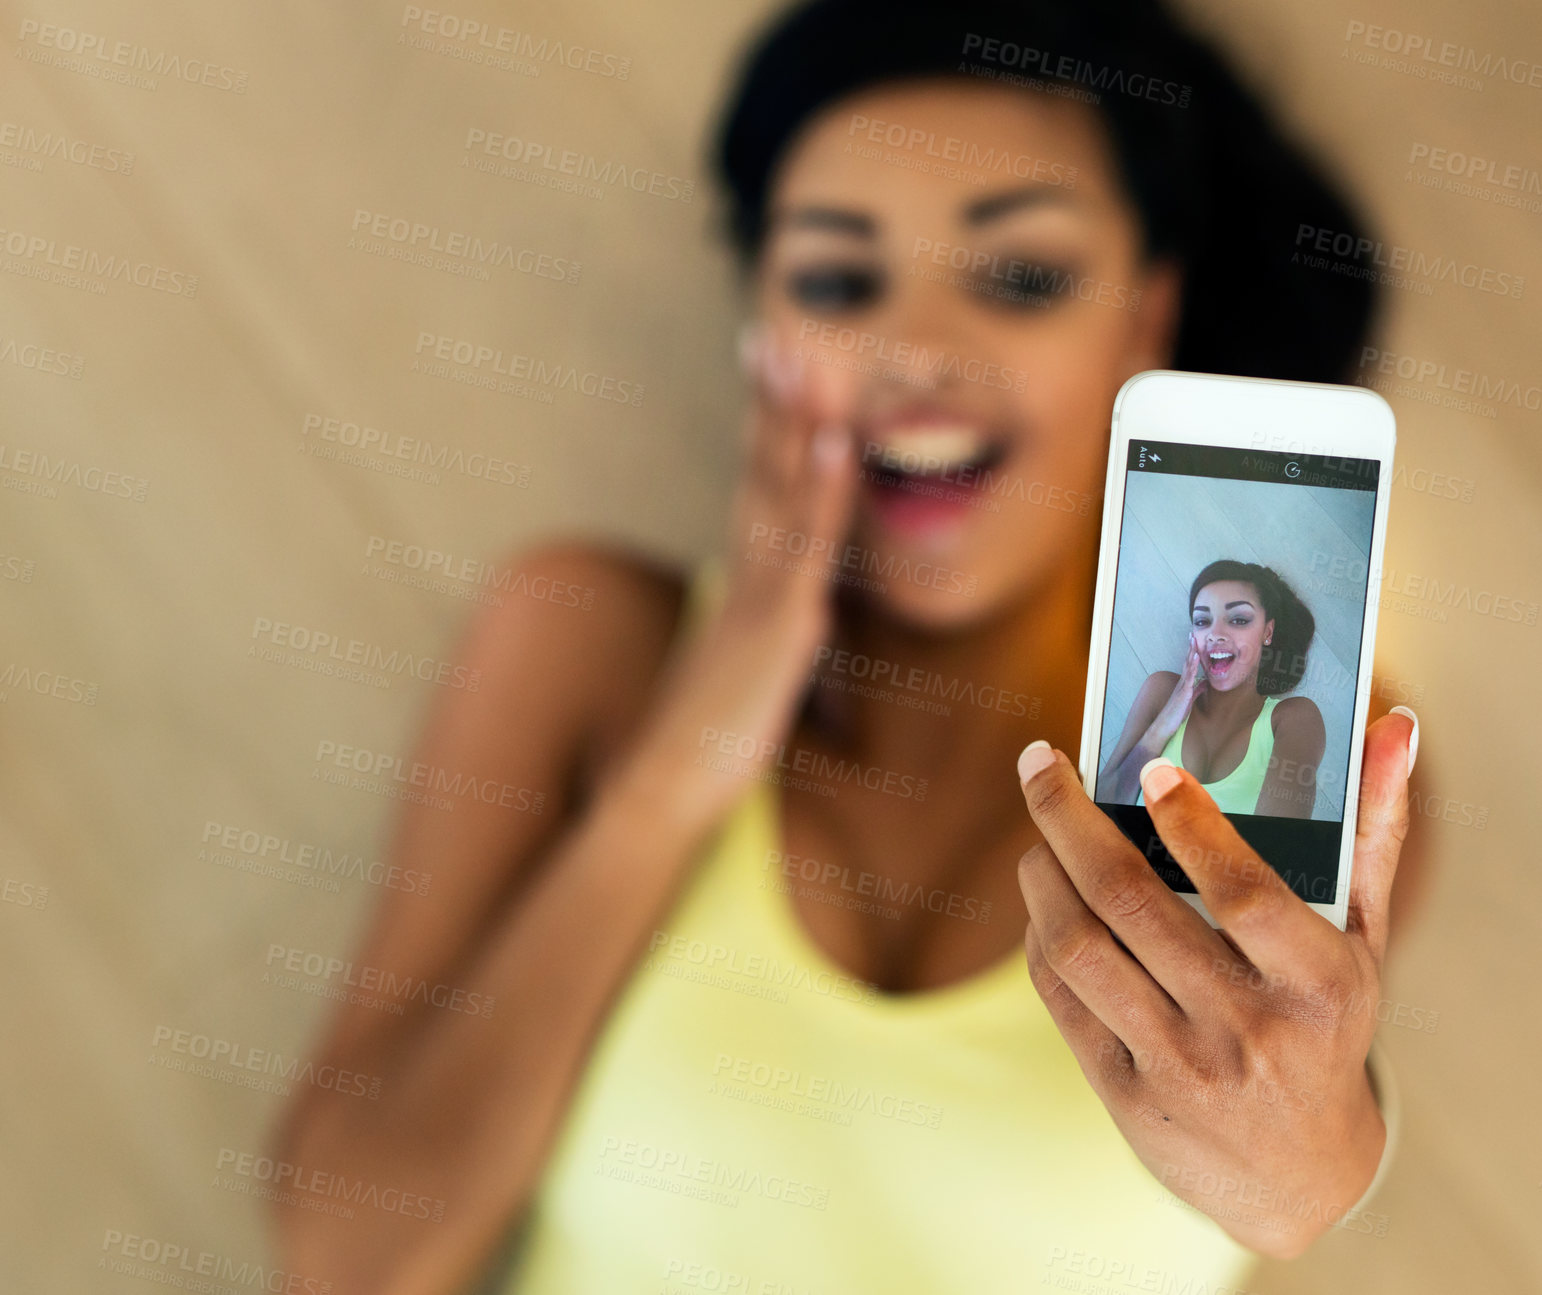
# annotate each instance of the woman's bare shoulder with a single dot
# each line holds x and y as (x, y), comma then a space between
(1296, 714)
(589, 623)
(613, 583)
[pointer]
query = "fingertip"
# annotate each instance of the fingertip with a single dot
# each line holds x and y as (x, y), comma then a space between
(1158, 777)
(1035, 758)
(1413, 736)
(831, 443)
(785, 372)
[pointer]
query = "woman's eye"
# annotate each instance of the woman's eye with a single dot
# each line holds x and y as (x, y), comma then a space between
(834, 287)
(1025, 285)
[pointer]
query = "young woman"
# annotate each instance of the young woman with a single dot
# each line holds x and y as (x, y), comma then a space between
(763, 1018)
(1223, 718)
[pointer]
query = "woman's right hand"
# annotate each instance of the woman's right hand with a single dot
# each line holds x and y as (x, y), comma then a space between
(1191, 682)
(728, 705)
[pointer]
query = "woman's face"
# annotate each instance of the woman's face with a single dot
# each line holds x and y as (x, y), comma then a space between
(1229, 631)
(977, 293)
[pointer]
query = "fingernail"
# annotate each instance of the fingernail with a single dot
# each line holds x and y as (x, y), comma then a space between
(1158, 777)
(784, 373)
(1413, 738)
(829, 444)
(1035, 757)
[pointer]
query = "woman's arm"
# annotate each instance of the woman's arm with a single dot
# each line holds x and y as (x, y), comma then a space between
(581, 706)
(557, 682)
(1290, 785)
(1120, 779)
(450, 1124)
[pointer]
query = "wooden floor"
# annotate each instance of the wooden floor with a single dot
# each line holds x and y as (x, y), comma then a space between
(245, 422)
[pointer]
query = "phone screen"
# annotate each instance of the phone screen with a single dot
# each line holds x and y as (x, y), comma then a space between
(1238, 614)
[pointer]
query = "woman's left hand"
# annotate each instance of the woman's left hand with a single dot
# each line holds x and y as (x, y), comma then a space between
(1234, 1065)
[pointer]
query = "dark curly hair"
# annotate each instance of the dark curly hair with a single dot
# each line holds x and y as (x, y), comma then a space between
(1282, 662)
(1216, 184)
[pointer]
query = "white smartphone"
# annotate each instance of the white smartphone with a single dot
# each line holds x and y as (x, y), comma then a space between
(1235, 613)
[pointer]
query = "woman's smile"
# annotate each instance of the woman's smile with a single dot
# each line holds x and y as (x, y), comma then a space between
(927, 472)
(1219, 662)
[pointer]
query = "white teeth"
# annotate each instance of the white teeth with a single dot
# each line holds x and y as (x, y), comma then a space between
(1221, 656)
(915, 449)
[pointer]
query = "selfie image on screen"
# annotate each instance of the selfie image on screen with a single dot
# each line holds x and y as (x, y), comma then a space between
(1238, 607)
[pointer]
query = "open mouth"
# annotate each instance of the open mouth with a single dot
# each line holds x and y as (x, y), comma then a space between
(1219, 663)
(940, 463)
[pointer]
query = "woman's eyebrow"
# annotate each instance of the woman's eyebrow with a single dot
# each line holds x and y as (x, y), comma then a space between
(841, 220)
(997, 205)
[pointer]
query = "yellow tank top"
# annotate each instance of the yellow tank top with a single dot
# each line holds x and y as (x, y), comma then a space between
(753, 1119)
(1238, 791)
